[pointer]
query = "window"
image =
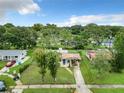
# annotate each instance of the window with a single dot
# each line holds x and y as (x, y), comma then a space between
(0, 57)
(16, 56)
(5, 58)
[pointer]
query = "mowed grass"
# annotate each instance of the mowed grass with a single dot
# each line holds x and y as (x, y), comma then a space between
(2, 64)
(8, 81)
(32, 76)
(90, 74)
(108, 90)
(51, 90)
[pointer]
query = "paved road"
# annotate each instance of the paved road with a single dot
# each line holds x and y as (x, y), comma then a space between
(80, 84)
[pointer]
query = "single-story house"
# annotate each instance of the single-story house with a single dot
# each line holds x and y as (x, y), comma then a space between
(9, 55)
(69, 60)
(91, 54)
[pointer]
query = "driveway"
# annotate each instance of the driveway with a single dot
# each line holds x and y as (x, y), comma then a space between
(3, 70)
(80, 84)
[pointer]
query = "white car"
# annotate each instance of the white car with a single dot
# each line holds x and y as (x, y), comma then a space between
(2, 86)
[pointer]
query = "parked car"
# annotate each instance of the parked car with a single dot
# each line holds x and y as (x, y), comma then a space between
(9, 64)
(2, 86)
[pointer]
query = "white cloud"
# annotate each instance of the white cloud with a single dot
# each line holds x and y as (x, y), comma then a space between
(111, 19)
(21, 6)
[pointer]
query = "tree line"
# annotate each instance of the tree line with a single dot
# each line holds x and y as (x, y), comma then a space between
(52, 37)
(16, 37)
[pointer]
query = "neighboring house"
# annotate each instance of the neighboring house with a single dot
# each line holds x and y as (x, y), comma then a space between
(91, 54)
(107, 43)
(60, 50)
(69, 60)
(8, 55)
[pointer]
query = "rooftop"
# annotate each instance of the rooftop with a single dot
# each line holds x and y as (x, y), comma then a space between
(11, 52)
(71, 56)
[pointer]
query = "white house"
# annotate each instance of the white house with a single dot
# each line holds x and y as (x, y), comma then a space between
(60, 50)
(8, 55)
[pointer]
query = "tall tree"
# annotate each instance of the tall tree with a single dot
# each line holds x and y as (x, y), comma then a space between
(41, 58)
(53, 64)
(96, 34)
(8, 25)
(37, 27)
(119, 50)
(102, 62)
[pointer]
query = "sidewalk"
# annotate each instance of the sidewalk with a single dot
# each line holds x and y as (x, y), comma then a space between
(20, 88)
(106, 86)
(45, 86)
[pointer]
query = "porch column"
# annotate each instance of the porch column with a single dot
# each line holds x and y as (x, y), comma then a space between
(70, 61)
(2, 57)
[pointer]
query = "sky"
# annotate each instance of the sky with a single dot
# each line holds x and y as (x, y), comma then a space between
(62, 12)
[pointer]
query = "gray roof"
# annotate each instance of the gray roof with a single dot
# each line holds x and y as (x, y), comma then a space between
(11, 52)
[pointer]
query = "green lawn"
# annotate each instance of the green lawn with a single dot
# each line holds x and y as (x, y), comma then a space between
(90, 75)
(108, 90)
(2, 64)
(48, 90)
(8, 81)
(32, 76)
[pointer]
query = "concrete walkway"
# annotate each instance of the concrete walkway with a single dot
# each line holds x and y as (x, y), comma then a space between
(80, 84)
(17, 91)
(69, 71)
(105, 86)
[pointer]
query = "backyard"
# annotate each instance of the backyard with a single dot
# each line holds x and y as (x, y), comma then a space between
(32, 76)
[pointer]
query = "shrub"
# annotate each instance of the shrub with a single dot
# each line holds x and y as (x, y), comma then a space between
(23, 68)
